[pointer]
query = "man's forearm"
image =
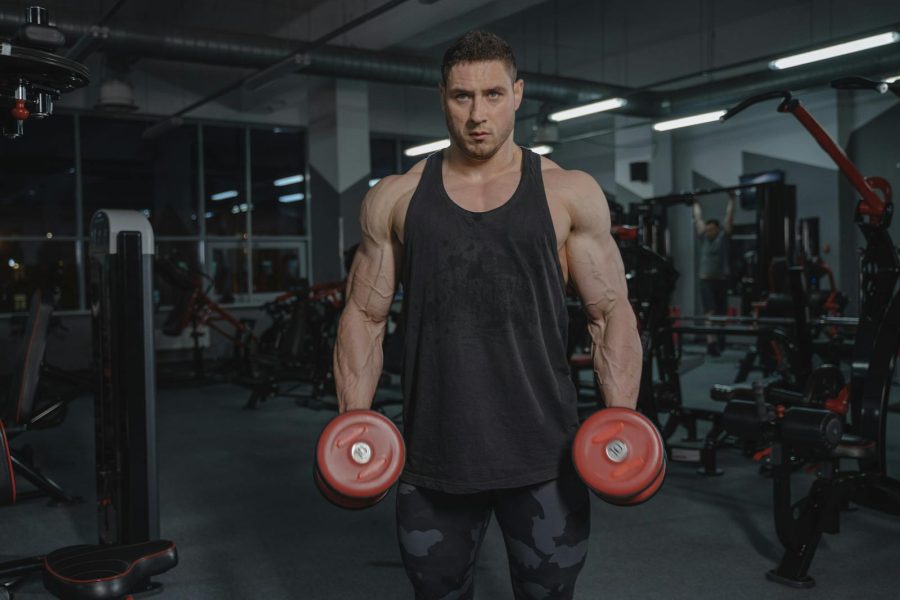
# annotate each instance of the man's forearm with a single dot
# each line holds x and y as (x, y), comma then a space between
(729, 213)
(358, 359)
(698, 217)
(618, 357)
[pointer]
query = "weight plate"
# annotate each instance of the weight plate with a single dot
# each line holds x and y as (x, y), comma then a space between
(618, 452)
(360, 454)
(646, 494)
(38, 68)
(343, 501)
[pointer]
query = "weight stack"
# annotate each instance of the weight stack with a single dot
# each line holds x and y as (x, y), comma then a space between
(121, 292)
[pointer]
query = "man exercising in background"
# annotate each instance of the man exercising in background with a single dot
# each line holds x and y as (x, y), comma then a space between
(483, 238)
(713, 269)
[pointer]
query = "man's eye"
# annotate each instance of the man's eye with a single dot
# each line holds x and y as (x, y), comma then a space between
(461, 96)
(493, 95)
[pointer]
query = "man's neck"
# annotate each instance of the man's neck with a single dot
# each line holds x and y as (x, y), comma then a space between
(506, 157)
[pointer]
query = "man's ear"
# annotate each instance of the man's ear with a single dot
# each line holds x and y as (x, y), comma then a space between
(518, 91)
(441, 91)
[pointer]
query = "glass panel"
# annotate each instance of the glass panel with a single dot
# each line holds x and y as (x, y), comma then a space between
(173, 163)
(227, 266)
(27, 266)
(383, 153)
(156, 176)
(37, 179)
(223, 168)
(181, 254)
(279, 269)
(278, 163)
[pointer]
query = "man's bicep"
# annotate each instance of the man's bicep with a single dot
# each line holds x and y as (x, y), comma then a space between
(372, 280)
(596, 269)
(595, 265)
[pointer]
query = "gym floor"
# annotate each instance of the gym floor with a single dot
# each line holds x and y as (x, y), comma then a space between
(238, 498)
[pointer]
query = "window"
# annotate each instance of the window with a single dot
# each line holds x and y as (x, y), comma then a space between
(226, 264)
(182, 255)
(278, 268)
(224, 154)
(29, 266)
(191, 183)
(122, 170)
(278, 176)
(37, 180)
(383, 156)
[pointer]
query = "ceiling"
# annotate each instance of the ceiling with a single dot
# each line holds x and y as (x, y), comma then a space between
(641, 44)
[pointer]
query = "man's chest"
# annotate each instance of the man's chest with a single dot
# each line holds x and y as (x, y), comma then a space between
(480, 199)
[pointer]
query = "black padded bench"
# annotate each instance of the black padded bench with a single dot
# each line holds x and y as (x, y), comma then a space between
(850, 446)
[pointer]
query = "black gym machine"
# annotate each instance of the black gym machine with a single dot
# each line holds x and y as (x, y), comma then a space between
(819, 436)
(295, 351)
(652, 278)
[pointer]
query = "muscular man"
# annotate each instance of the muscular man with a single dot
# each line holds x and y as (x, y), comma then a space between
(483, 238)
(713, 271)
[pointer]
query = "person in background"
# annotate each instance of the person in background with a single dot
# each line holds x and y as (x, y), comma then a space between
(714, 240)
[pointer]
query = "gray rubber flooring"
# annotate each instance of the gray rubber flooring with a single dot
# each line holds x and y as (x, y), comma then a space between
(238, 498)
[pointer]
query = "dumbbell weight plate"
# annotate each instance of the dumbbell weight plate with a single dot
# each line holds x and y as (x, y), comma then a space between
(360, 454)
(618, 453)
(343, 501)
(646, 494)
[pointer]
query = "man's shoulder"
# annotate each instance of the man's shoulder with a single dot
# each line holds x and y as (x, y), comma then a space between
(387, 201)
(569, 185)
(568, 180)
(398, 184)
(395, 188)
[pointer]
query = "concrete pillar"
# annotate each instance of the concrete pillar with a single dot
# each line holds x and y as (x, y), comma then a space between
(339, 168)
(682, 240)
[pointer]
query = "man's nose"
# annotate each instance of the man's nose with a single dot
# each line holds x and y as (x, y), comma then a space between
(477, 115)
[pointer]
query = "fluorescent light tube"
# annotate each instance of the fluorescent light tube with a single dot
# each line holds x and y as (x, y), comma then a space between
(288, 198)
(288, 180)
(588, 109)
(688, 121)
(224, 195)
(427, 148)
(866, 43)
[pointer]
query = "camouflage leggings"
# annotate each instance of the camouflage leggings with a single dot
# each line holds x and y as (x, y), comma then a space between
(545, 528)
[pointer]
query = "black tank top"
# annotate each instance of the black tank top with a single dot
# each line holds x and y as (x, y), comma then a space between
(488, 398)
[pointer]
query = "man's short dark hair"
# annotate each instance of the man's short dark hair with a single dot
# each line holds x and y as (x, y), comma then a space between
(478, 46)
(714, 222)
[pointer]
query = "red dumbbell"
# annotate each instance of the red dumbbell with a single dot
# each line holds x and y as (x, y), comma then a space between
(620, 455)
(359, 456)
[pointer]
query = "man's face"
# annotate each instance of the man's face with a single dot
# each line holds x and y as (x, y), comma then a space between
(480, 102)
(712, 230)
